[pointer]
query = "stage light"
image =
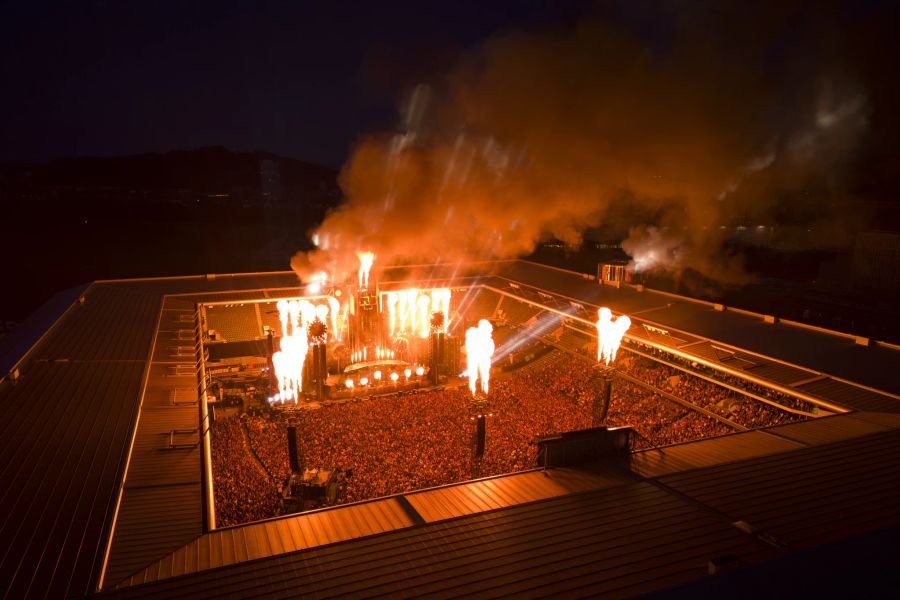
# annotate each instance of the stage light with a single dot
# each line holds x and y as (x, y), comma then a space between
(364, 381)
(349, 384)
(394, 377)
(377, 375)
(420, 371)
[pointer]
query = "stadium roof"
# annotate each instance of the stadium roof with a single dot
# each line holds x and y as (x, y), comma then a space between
(101, 477)
(817, 350)
(604, 529)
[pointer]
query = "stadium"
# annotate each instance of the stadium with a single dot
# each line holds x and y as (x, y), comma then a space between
(161, 441)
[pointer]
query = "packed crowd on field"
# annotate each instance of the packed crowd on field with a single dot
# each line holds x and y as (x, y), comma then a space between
(243, 490)
(399, 443)
(760, 390)
(732, 405)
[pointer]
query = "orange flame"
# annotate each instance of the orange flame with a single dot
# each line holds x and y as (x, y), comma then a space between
(366, 259)
(609, 334)
(295, 317)
(440, 302)
(392, 299)
(479, 350)
(288, 361)
(335, 309)
(409, 311)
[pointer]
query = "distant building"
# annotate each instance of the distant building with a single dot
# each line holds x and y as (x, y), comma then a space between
(269, 181)
(876, 259)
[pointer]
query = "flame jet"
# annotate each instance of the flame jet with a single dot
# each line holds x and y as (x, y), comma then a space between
(479, 350)
(423, 317)
(294, 345)
(283, 315)
(410, 310)
(402, 310)
(392, 299)
(440, 302)
(335, 309)
(366, 259)
(609, 334)
(322, 312)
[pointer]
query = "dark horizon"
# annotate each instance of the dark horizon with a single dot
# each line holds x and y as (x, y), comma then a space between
(301, 81)
(674, 126)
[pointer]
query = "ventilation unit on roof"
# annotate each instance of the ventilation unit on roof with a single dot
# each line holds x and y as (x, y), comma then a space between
(723, 564)
(585, 445)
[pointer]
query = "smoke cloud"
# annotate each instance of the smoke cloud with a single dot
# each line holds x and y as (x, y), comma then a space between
(546, 133)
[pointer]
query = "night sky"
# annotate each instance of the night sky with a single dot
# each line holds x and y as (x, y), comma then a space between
(306, 79)
(301, 79)
(671, 124)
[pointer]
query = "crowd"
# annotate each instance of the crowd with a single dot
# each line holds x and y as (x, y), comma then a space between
(399, 443)
(736, 407)
(765, 392)
(243, 490)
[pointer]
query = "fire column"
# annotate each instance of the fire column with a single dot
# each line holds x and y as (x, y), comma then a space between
(609, 336)
(318, 336)
(438, 339)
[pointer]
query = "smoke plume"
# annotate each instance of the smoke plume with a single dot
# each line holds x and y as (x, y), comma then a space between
(545, 133)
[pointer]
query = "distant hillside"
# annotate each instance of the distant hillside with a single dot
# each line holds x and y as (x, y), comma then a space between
(169, 176)
(188, 212)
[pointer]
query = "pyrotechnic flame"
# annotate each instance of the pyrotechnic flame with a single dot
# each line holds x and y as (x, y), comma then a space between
(479, 349)
(365, 265)
(316, 281)
(335, 309)
(392, 300)
(401, 306)
(410, 310)
(609, 334)
(288, 361)
(307, 312)
(295, 317)
(445, 306)
(424, 316)
(440, 302)
(409, 318)
(322, 312)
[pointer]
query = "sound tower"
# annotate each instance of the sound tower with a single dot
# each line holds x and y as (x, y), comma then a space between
(585, 445)
(600, 406)
(367, 328)
(319, 368)
(270, 350)
(438, 342)
(292, 449)
(451, 363)
(479, 437)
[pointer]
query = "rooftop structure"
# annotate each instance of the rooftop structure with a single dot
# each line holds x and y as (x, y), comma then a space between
(103, 478)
